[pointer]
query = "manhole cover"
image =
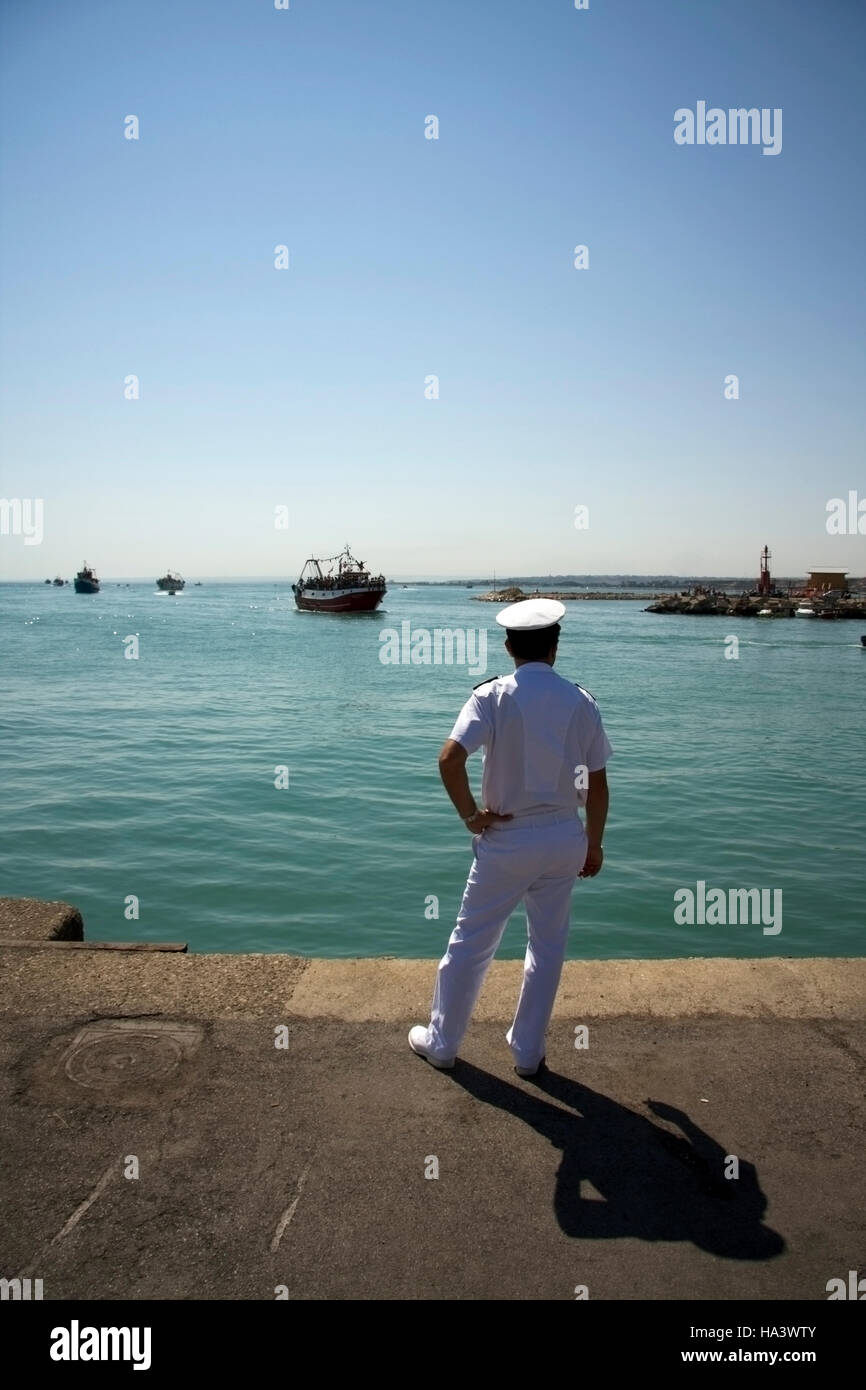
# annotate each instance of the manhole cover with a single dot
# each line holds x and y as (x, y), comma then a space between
(116, 1056)
(107, 1062)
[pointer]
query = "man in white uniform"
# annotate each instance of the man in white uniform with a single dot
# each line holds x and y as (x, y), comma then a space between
(545, 751)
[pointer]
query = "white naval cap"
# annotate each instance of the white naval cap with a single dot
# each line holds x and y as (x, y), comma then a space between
(531, 614)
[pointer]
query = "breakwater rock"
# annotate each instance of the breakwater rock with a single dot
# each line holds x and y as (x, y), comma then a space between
(515, 595)
(752, 606)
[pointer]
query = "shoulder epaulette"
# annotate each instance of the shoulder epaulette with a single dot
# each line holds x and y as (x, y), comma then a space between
(486, 681)
(584, 690)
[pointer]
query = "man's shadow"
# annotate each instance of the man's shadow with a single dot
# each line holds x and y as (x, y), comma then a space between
(655, 1185)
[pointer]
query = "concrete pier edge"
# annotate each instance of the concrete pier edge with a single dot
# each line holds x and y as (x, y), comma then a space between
(383, 989)
(32, 919)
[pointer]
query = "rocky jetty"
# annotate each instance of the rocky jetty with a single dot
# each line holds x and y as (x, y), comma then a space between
(718, 605)
(515, 595)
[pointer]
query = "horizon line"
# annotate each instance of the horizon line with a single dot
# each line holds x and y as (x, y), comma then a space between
(504, 580)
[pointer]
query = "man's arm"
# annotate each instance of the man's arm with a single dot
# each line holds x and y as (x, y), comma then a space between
(597, 802)
(452, 770)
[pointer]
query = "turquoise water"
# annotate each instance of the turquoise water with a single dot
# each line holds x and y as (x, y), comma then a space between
(155, 777)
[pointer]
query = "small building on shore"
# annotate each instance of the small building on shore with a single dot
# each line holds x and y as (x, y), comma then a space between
(826, 581)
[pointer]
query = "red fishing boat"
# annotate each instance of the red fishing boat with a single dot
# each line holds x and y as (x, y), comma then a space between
(340, 584)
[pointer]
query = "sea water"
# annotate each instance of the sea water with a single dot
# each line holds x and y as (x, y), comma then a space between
(258, 779)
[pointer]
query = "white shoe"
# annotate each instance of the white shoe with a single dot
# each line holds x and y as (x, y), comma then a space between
(418, 1043)
(530, 1071)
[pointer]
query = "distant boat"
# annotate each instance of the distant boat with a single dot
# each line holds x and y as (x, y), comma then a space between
(48, 581)
(58, 583)
(170, 583)
(804, 611)
(863, 641)
(765, 613)
(86, 581)
(350, 588)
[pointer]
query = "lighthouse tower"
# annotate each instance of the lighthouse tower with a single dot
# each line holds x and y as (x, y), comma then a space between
(765, 584)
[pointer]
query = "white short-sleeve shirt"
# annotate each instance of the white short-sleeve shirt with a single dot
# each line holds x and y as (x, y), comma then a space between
(540, 734)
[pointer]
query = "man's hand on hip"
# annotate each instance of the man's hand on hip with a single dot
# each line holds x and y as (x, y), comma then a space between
(482, 819)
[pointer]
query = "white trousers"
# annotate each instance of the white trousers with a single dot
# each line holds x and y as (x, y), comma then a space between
(535, 862)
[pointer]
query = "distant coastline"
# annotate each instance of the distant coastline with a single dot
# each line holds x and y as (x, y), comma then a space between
(563, 587)
(514, 595)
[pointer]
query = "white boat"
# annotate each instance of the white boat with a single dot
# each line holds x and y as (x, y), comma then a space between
(804, 612)
(765, 612)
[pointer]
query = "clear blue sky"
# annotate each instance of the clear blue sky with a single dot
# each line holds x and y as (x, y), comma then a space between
(412, 257)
